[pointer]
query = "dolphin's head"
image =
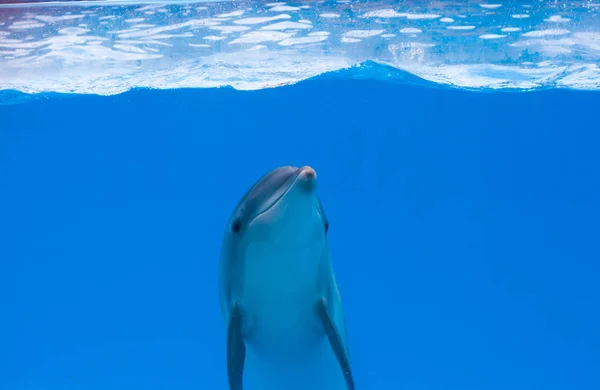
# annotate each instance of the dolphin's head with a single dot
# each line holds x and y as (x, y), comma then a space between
(281, 207)
(278, 224)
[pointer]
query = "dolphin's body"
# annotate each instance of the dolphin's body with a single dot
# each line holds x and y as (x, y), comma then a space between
(278, 294)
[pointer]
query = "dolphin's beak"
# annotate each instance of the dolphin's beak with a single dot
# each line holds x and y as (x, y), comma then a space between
(307, 178)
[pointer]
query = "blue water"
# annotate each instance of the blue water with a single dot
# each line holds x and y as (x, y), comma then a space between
(463, 230)
(463, 210)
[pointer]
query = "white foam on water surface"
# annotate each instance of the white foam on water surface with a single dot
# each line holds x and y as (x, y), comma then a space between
(25, 25)
(422, 16)
(363, 33)
(57, 19)
(460, 27)
(134, 20)
(384, 13)
(233, 14)
(128, 48)
(490, 6)
(261, 36)
(284, 8)
(557, 19)
(287, 26)
(546, 33)
(303, 40)
(230, 29)
(260, 20)
(492, 36)
(110, 47)
(214, 38)
(410, 30)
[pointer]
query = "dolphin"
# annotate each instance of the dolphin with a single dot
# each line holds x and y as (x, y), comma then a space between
(277, 290)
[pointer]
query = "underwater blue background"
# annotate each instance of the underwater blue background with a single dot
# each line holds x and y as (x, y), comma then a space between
(464, 232)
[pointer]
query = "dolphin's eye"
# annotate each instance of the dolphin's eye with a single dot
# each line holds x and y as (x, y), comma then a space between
(326, 226)
(236, 226)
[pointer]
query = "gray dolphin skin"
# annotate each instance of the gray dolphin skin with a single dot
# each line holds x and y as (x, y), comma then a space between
(278, 294)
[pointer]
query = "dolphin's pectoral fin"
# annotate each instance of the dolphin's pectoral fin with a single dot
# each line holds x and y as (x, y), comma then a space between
(336, 342)
(236, 348)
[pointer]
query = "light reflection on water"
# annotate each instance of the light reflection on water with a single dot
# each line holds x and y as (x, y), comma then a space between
(109, 47)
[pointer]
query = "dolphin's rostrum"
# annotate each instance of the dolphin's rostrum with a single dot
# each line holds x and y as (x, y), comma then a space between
(277, 289)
